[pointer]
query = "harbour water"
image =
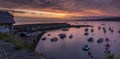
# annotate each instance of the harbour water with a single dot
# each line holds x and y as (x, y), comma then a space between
(71, 48)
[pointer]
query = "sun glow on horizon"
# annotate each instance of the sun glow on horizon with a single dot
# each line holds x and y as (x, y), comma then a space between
(52, 14)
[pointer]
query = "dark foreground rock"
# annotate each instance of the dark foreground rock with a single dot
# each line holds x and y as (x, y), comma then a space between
(8, 51)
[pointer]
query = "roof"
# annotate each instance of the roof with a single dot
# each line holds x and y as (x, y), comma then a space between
(6, 17)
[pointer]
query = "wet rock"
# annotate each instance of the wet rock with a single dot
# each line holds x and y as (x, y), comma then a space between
(8, 51)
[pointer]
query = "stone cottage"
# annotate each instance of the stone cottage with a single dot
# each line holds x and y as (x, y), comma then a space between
(6, 22)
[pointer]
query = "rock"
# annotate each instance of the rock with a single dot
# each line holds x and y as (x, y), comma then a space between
(8, 51)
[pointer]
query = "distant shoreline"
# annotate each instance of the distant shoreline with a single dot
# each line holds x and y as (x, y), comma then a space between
(115, 19)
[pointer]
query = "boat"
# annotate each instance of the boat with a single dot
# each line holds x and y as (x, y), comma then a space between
(107, 40)
(62, 36)
(54, 39)
(100, 40)
(118, 31)
(49, 34)
(104, 31)
(64, 29)
(102, 24)
(86, 33)
(86, 48)
(92, 30)
(71, 36)
(44, 38)
(99, 28)
(91, 39)
(112, 31)
(77, 26)
(110, 28)
(86, 29)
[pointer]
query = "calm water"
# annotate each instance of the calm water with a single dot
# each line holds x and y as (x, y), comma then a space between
(72, 48)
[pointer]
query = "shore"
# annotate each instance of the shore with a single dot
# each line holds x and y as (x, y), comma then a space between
(46, 26)
(8, 51)
(8, 48)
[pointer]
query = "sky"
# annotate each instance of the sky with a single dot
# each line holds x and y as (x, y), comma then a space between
(62, 9)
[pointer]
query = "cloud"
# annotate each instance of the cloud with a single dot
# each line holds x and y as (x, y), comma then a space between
(86, 7)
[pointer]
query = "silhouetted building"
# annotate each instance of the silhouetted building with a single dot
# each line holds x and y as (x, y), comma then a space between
(6, 22)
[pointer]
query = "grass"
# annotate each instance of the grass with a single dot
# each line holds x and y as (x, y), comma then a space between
(110, 56)
(15, 41)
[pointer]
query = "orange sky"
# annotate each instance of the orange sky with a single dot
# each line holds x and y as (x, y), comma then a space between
(48, 13)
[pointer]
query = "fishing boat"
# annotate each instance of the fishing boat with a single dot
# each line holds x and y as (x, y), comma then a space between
(86, 48)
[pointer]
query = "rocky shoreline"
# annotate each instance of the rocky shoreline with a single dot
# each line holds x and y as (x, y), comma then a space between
(8, 51)
(29, 34)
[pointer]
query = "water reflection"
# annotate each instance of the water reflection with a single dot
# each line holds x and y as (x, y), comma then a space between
(102, 40)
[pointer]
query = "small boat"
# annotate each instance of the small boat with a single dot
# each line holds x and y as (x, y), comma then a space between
(44, 38)
(104, 31)
(100, 40)
(86, 29)
(62, 36)
(71, 36)
(86, 48)
(107, 45)
(90, 39)
(118, 31)
(49, 34)
(107, 40)
(104, 28)
(102, 24)
(112, 31)
(110, 28)
(77, 26)
(99, 28)
(92, 30)
(65, 29)
(54, 39)
(86, 33)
